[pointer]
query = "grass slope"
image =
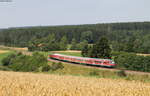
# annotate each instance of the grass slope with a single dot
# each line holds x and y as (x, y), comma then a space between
(79, 70)
(4, 53)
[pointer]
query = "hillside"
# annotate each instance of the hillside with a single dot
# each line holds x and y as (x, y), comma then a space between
(29, 84)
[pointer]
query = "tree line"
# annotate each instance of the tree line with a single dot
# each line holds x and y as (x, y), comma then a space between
(128, 37)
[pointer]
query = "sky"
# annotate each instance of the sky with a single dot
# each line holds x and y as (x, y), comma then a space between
(20, 13)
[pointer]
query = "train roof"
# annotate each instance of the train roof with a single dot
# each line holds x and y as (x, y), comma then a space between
(81, 57)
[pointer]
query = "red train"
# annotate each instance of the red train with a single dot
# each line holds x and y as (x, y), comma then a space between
(84, 60)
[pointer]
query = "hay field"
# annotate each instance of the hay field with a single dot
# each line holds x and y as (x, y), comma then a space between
(30, 84)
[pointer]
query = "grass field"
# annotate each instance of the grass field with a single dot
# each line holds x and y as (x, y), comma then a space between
(72, 53)
(29, 84)
(85, 71)
(4, 53)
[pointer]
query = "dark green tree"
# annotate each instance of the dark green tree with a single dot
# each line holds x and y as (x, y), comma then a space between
(130, 45)
(73, 44)
(85, 51)
(87, 35)
(63, 43)
(81, 45)
(90, 51)
(93, 51)
(102, 49)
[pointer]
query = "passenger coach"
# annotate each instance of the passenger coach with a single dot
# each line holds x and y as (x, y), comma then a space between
(83, 60)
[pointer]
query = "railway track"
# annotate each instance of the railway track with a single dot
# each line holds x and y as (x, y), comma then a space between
(103, 68)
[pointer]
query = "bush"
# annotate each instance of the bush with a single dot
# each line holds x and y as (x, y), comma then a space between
(46, 68)
(7, 60)
(133, 62)
(123, 60)
(3, 68)
(121, 73)
(56, 66)
(117, 53)
(94, 73)
(20, 62)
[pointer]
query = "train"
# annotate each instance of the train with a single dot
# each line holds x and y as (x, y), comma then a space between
(83, 60)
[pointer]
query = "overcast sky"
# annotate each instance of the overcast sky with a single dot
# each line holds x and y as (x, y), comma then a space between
(20, 13)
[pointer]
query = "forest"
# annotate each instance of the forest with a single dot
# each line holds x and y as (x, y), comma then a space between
(119, 41)
(128, 37)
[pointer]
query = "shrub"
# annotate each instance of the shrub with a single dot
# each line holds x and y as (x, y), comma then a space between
(7, 60)
(46, 68)
(94, 73)
(133, 62)
(3, 68)
(121, 73)
(20, 62)
(56, 66)
(117, 53)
